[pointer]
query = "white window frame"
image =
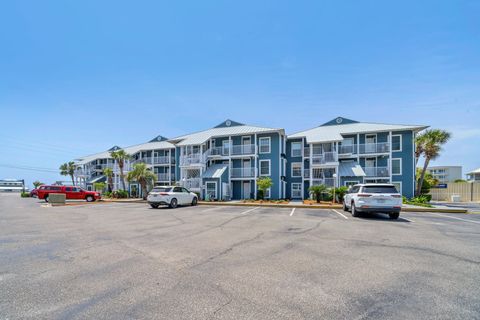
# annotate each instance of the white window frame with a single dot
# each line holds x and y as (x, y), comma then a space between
(400, 183)
(268, 193)
(216, 186)
(401, 142)
(301, 189)
(291, 169)
(400, 173)
(291, 149)
(260, 167)
(260, 145)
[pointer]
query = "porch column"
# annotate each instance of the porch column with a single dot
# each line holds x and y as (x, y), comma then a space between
(255, 158)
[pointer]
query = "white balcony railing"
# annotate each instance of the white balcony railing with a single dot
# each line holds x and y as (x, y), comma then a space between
(350, 149)
(306, 152)
(242, 172)
(193, 159)
(161, 160)
(325, 158)
(192, 183)
(243, 149)
(329, 182)
(165, 176)
(101, 167)
(376, 171)
(370, 148)
(306, 173)
(219, 151)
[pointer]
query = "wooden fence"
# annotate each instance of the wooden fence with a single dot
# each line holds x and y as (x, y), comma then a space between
(466, 191)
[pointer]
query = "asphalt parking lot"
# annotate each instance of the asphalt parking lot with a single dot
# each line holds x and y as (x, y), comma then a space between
(128, 261)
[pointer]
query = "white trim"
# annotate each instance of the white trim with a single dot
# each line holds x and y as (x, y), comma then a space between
(269, 191)
(206, 188)
(401, 142)
(301, 149)
(391, 168)
(260, 167)
(291, 169)
(249, 138)
(401, 187)
(260, 145)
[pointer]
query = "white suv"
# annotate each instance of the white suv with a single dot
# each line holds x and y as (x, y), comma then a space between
(373, 197)
(171, 196)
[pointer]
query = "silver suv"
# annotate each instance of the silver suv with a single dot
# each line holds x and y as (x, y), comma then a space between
(373, 197)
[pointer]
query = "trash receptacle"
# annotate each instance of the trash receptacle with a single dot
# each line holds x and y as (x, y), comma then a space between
(56, 199)
(455, 198)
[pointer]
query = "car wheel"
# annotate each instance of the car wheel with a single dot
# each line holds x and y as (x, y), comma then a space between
(394, 215)
(355, 213)
(154, 205)
(173, 203)
(89, 198)
(46, 198)
(345, 208)
(194, 201)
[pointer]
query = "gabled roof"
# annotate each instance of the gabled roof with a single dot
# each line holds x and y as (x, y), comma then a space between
(226, 128)
(474, 171)
(336, 128)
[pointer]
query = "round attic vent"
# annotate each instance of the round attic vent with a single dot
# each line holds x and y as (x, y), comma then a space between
(228, 123)
(339, 120)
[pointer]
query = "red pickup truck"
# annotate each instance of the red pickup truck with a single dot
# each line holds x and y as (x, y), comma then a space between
(71, 193)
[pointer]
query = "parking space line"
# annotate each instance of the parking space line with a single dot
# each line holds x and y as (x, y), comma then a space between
(291, 213)
(249, 210)
(409, 220)
(338, 212)
(466, 220)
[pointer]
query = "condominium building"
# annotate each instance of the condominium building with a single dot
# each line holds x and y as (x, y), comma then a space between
(445, 174)
(343, 152)
(224, 162)
(474, 175)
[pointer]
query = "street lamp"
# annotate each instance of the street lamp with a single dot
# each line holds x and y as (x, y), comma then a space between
(334, 185)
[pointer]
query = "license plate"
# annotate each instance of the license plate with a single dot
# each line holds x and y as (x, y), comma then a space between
(381, 200)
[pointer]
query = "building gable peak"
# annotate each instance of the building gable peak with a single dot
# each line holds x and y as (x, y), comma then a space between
(229, 123)
(338, 121)
(158, 139)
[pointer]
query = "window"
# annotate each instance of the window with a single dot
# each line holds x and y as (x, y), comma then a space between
(264, 167)
(379, 189)
(296, 149)
(296, 169)
(296, 190)
(397, 142)
(267, 194)
(350, 183)
(396, 166)
(177, 189)
(354, 189)
(398, 186)
(264, 144)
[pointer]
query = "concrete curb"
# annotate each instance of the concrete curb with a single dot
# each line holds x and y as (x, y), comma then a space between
(123, 201)
(439, 210)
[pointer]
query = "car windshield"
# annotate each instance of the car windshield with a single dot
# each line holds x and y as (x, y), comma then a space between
(162, 189)
(379, 189)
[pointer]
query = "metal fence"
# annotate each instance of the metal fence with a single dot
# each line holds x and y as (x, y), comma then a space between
(466, 191)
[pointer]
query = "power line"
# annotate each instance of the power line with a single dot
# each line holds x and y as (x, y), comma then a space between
(30, 168)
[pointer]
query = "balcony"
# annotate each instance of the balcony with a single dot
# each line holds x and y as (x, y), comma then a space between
(329, 182)
(101, 167)
(347, 150)
(192, 183)
(192, 159)
(81, 173)
(161, 160)
(146, 160)
(306, 152)
(306, 173)
(376, 172)
(165, 177)
(243, 149)
(242, 172)
(374, 148)
(324, 158)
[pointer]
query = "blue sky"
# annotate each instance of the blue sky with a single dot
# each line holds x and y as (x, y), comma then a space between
(77, 77)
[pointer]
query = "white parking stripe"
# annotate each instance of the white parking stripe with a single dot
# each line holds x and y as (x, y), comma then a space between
(466, 220)
(409, 220)
(210, 209)
(338, 212)
(250, 210)
(291, 213)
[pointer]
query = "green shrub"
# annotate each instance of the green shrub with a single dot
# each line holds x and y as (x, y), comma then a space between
(120, 194)
(25, 194)
(107, 194)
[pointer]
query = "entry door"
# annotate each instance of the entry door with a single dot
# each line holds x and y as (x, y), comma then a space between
(246, 168)
(370, 143)
(211, 190)
(225, 145)
(246, 189)
(370, 167)
(246, 142)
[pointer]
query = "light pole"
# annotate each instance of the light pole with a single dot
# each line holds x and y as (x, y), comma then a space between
(334, 185)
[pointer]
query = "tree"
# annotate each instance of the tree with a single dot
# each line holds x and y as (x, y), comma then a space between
(339, 193)
(460, 181)
(37, 184)
(120, 156)
(109, 174)
(264, 183)
(143, 176)
(318, 191)
(428, 182)
(432, 141)
(68, 169)
(99, 186)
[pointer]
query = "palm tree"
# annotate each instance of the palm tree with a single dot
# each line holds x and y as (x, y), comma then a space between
(120, 156)
(68, 169)
(142, 175)
(318, 191)
(109, 174)
(432, 141)
(419, 146)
